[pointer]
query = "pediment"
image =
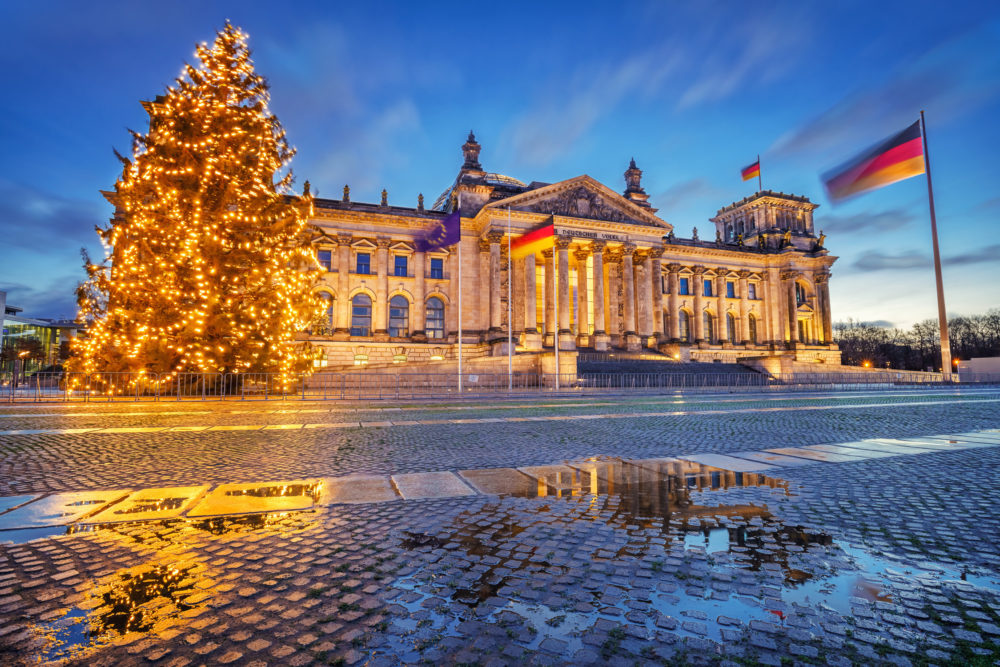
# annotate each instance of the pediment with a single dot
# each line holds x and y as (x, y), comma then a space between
(581, 197)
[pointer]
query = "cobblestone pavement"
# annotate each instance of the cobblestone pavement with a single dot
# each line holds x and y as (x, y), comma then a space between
(890, 560)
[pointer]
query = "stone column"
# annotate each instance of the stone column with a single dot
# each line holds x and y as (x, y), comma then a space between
(775, 307)
(656, 284)
(496, 317)
(699, 314)
(582, 298)
(628, 296)
(744, 309)
(343, 328)
(566, 339)
(517, 294)
(613, 268)
(601, 339)
(419, 292)
(789, 285)
(548, 300)
(480, 312)
(381, 305)
(823, 287)
(532, 339)
(643, 297)
(673, 283)
(721, 274)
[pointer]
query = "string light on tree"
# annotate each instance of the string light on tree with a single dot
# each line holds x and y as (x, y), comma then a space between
(210, 268)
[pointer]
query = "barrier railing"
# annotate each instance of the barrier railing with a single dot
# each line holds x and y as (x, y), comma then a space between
(382, 385)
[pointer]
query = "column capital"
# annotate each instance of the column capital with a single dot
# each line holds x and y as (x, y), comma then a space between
(674, 267)
(744, 274)
(494, 236)
(821, 278)
(722, 272)
(598, 246)
(484, 245)
(698, 270)
(344, 239)
(548, 253)
(563, 242)
(382, 242)
(789, 275)
(638, 258)
(613, 255)
(582, 254)
(656, 253)
(628, 250)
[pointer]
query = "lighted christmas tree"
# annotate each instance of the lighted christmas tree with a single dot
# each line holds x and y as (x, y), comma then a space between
(210, 268)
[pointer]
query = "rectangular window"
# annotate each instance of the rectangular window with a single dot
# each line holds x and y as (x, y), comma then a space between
(399, 266)
(325, 259)
(364, 263)
(684, 286)
(752, 290)
(708, 287)
(437, 268)
(731, 290)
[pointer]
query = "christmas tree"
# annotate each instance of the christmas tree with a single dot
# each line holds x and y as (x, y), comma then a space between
(210, 268)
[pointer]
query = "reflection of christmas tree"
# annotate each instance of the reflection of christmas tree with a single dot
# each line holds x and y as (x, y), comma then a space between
(210, 267)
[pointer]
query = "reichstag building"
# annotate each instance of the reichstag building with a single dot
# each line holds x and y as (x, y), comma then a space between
(756, 285)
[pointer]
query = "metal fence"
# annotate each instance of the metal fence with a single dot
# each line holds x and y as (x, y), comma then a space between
(378, 384)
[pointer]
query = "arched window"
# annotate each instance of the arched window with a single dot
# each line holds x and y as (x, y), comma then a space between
(731, 327)
(399, 316)
(684, 322)
(800, 294)
(753, 329)
(709, 327)
(434, 321)
(361, 315)
(730, 234)
(326, 320)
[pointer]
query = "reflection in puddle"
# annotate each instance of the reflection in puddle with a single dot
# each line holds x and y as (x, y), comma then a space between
(134, 600)
(229, 525)
(613, 543)
(311, 490)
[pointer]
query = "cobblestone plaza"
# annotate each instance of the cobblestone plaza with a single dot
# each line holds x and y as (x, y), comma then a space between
(851, 527)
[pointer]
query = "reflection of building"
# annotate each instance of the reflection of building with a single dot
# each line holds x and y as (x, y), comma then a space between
(625, 281)
(16, 330)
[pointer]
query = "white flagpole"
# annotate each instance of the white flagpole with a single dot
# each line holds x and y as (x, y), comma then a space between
(942, 313)
(555, 299)
(459, 292)
(510, 310)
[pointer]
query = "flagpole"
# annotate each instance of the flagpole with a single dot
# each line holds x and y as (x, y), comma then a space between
(555, 300)
(459, 200)
(760, 187)
(510, 321)
(942, 314)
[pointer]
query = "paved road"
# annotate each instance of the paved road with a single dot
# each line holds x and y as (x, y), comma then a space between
(884, 560)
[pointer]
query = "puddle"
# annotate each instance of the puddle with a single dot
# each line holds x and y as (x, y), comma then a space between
(695, 552)
(257, 497)
(134, 600)
(28, 534)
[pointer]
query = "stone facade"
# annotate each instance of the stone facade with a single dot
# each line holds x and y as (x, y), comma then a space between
(623, 279)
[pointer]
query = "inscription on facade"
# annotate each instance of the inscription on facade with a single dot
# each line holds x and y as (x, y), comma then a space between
(586, 234)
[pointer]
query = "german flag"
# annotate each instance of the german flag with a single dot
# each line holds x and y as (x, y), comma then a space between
(539, 238)
(899, 157)
(752, 171)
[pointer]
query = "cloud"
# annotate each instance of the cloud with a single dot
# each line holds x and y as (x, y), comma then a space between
(32, 219)
(986, 254)
(874, 260)
(869, 222)
(676, 66)
(56, 301)
(945, 80)
(690, 191)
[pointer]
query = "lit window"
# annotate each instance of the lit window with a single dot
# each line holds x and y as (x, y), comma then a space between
(434, 321)
(399, 266)
(325, 259)
(684, 323)
(361, 315)
(752, 291)
(437, 268)
(753, 329)
(364, 265)
(399, 316)
(731, 327)
(709, 327)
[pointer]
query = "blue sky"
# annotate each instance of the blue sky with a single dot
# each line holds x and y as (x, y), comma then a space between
(383, 94)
